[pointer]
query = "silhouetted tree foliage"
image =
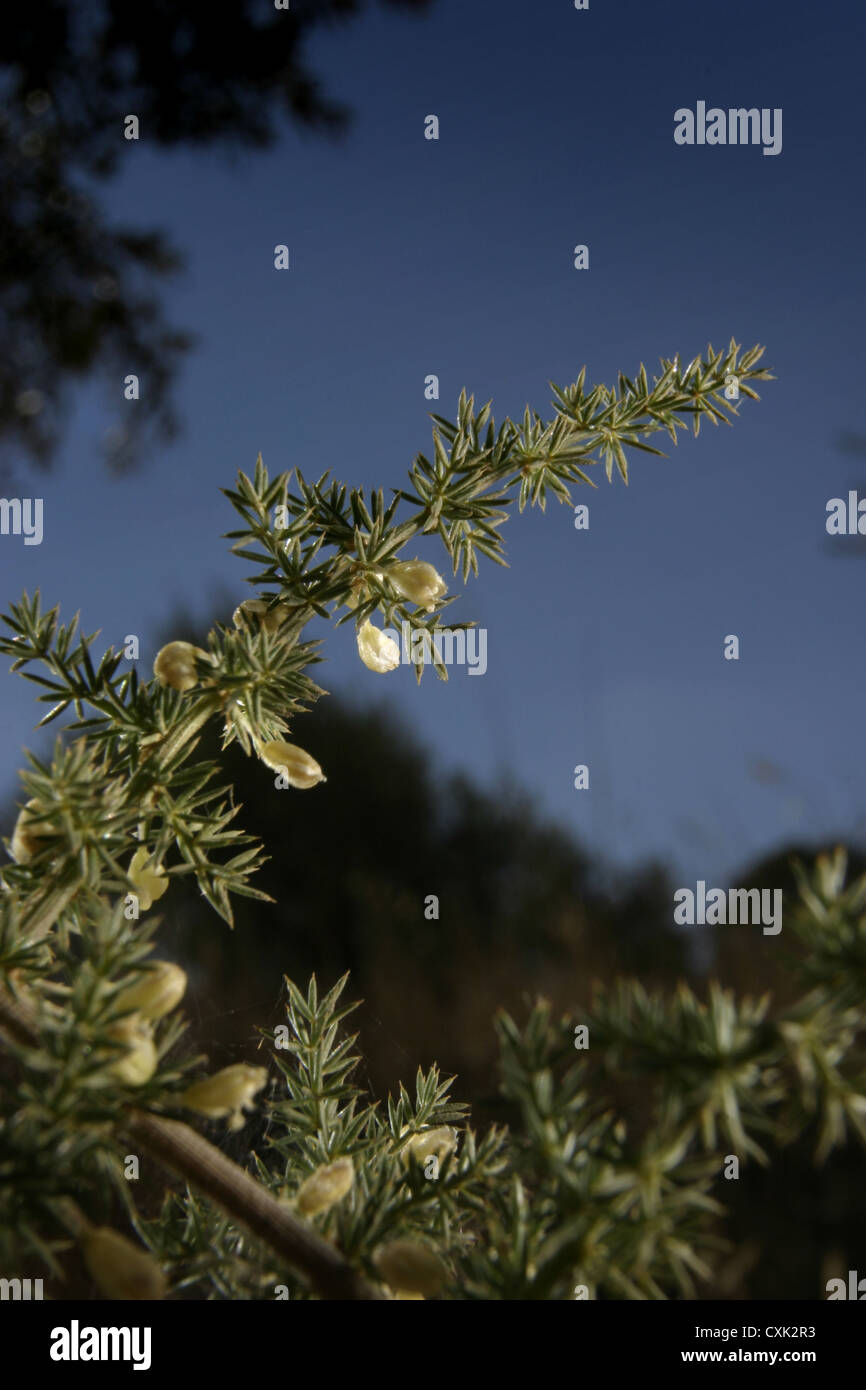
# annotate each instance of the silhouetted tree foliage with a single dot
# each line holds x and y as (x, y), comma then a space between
(76, 294)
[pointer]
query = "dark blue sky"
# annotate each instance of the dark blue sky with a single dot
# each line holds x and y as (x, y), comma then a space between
(454, 257)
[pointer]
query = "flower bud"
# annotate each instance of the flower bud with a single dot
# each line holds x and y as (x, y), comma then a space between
(228, 1092)
(149, 882)
(175, 665)
(120, 1268)
(410, 1268)
(418, 582)
(327, 1186)
(155, 993)
(28, 832)
(256, 611)
(440, 1141)
(299, 769)
(377, 650)
(139, 1062)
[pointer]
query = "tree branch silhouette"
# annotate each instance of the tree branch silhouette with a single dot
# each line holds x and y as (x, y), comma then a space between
(77, 295)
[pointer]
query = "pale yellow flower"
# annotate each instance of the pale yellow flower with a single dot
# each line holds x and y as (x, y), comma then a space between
(324, 1188)
(28, 832)
(439, 1141)
(270, 618)
(120, 1268)
(296, 765)
(149, 880)
(418, 582)
(175, 665)
(228, 1093)
(410, 1268)
(377, 650)
(156, 993)
(139, 1062)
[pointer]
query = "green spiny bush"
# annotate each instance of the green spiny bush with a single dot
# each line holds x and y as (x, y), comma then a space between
(622, 1122)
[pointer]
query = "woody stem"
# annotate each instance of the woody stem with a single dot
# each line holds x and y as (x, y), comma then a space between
(179, 1148)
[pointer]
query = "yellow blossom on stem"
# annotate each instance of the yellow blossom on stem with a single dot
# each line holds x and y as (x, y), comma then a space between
(327, 1186)
(28, 832)
(157, 992)
(150, 881)
(418, 582)
(227, 1093)
(439, 1141)
(296, 765)
(410, 1268)
(270, 618)
(121, 1269)
(377, 650)
(175, 665)
(139, 1062)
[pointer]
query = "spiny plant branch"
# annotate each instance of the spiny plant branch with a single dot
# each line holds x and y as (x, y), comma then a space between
(123, 793)
(181, 1149)
(188, 1154)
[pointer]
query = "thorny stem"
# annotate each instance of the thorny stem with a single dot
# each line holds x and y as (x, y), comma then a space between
(179, 1148)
